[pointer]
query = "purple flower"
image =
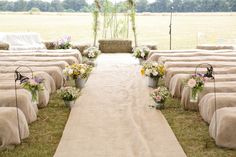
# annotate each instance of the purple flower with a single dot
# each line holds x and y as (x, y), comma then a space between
(38, 80)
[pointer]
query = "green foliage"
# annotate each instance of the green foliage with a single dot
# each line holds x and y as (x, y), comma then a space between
(34, 10)
(132, 8)
(115, 26)
(68, 93)
(142, 5)
(45, 133)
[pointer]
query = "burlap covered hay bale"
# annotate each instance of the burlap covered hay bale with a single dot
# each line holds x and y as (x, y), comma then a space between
(4, 46)
(50, 45)
(207, 104)
(215, 47)
(223, 126)
(9, 134)
(81, 47)
(115, 46)
(151, 46)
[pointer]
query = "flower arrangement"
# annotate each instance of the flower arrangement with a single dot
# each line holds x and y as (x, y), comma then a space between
(153, 70)
(196, 83)
(77, 71)
(160, 94)
(68, 93)
(141, 52)
(63, 43)
(33, 85)
(92, 52)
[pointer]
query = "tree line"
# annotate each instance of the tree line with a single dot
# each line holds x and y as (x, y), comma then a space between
(141, 6)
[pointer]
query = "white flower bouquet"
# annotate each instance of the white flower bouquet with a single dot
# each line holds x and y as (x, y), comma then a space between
(153, 70)
(92, 52)
(196, 83)
(68, 93)
(75, 71)
(160, 94)
(141, 52)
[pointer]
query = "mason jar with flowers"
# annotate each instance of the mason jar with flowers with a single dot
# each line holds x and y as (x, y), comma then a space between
(141, 53)
(69, 95)
(79, 73)
(34, 86)
(160, 95)
(196, 84)
(154, 71)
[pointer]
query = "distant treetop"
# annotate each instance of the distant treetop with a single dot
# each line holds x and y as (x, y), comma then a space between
(141, 5)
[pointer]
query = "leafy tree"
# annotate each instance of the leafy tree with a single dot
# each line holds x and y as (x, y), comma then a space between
(76, 5)
(141, 5)
(57, 5)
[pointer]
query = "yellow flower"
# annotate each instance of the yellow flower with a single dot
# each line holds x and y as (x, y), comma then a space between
(161, 70)
(142, 71)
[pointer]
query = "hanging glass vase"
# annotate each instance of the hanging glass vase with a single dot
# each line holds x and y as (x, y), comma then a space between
(193, 96)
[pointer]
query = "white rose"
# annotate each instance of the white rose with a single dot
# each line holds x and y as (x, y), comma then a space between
(70, 71)
(82, 71)
(91, 54)
(147, 72)
(154, 73)
(155, 64)
(142, 54)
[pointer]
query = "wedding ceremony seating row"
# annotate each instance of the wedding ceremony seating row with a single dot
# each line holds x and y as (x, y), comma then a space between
(27, 49)
(181, 65)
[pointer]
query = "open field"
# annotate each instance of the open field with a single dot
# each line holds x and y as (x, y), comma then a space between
(152, 28)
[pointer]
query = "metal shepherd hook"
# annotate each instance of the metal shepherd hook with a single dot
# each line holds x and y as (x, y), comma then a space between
(170, 26)
(19, 77)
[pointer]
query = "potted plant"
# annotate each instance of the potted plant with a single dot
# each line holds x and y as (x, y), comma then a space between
(79, 73)
(34, 85)
(160, 95)
(196, 84)
(63, 43)
(141, 53)
(92, 52)
(68, 94)
(153, 71)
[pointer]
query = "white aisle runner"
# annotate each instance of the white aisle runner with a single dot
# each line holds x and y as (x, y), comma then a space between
(111, 118)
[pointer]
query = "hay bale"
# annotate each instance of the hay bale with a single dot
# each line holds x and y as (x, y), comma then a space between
(222, 127)
(115, 46)
(81, 47)
(151, 46)
(4, 46)
(215, 47)
(50, 45)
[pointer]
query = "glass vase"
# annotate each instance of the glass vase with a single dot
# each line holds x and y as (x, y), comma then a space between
(193, 96)
(35, 101)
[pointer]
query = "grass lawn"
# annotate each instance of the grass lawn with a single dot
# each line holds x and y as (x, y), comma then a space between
(151, 28)
(189, 128)
(45, 133)
(192, 132)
